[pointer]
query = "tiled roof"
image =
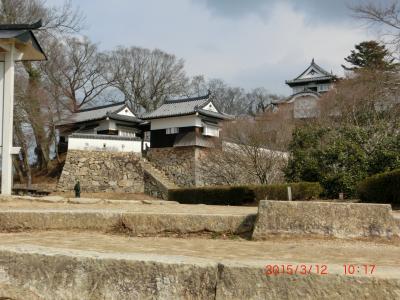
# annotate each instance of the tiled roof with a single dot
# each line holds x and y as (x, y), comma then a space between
(26, 40)
(325, 75)
(115, 116)
(182, 107)
(95, 113)
(214, 114)
(36, 25)
(313, 79)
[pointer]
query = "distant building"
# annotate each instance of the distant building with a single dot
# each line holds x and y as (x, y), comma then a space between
(307, 89)
(114, 127)
(185, 122)
(109, 127)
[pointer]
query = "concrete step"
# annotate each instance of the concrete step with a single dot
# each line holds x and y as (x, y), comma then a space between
(126, 221)
(84, 265)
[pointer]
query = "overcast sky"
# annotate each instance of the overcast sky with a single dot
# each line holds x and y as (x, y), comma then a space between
(247, 43)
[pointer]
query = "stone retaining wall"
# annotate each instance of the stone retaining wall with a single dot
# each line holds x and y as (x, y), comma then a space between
(343, 220)
(179, 164)
(184, 165)
(102, 171)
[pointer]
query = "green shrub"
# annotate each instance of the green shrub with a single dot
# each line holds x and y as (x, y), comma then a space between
(246, 194)
(337, 156)
(300, 191)
(381, 188)
(221, 195)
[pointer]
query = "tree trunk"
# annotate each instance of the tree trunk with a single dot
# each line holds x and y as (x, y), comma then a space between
(33, 108)
(21, 142)
(18, 168)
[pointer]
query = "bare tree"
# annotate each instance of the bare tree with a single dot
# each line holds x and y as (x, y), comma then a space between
(56, 20)
(370, 101)
(374, 13)
(29, 94)
(76, 72)
(146, 77)
(245, 157)
(232, 100)
(259, 100)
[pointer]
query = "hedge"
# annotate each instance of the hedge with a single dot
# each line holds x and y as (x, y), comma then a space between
(300, 191)
(245, 194)
(381, 188)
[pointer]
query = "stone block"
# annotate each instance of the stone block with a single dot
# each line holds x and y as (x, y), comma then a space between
(241, 281)
(34, 272)
(143, 223)
(342, 220)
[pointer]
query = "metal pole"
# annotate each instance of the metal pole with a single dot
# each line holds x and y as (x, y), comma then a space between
(7, 128)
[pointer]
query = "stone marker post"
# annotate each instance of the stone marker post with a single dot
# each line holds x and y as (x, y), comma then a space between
(289, 193)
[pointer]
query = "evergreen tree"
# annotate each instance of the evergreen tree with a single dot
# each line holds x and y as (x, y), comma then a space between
(370, 55)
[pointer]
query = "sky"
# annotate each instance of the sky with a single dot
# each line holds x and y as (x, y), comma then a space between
(246, 43)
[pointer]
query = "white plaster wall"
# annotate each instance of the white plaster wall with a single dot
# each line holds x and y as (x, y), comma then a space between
(182, 121)
(98, 145)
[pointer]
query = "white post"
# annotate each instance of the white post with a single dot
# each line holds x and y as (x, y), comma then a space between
(289, 193)
(7, 128)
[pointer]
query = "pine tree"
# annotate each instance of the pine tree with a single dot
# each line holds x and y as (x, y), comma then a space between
(370, 55)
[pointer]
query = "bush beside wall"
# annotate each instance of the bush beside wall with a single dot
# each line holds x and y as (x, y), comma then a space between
(246, 194)
(235, 195)
(300, 191)
(381, 188)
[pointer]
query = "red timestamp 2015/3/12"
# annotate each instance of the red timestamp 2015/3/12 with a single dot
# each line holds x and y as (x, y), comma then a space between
(295, 269)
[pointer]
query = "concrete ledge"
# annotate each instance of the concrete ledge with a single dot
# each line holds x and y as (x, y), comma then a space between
(342, 220)
(44, 273)
(185, 223)
(131, 223)
(250, 282)
(20, 220)
(49, 273)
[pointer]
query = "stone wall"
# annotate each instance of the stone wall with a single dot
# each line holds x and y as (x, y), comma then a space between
(179, 164)
(342, 220)
(184, 165)
(102, 171)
